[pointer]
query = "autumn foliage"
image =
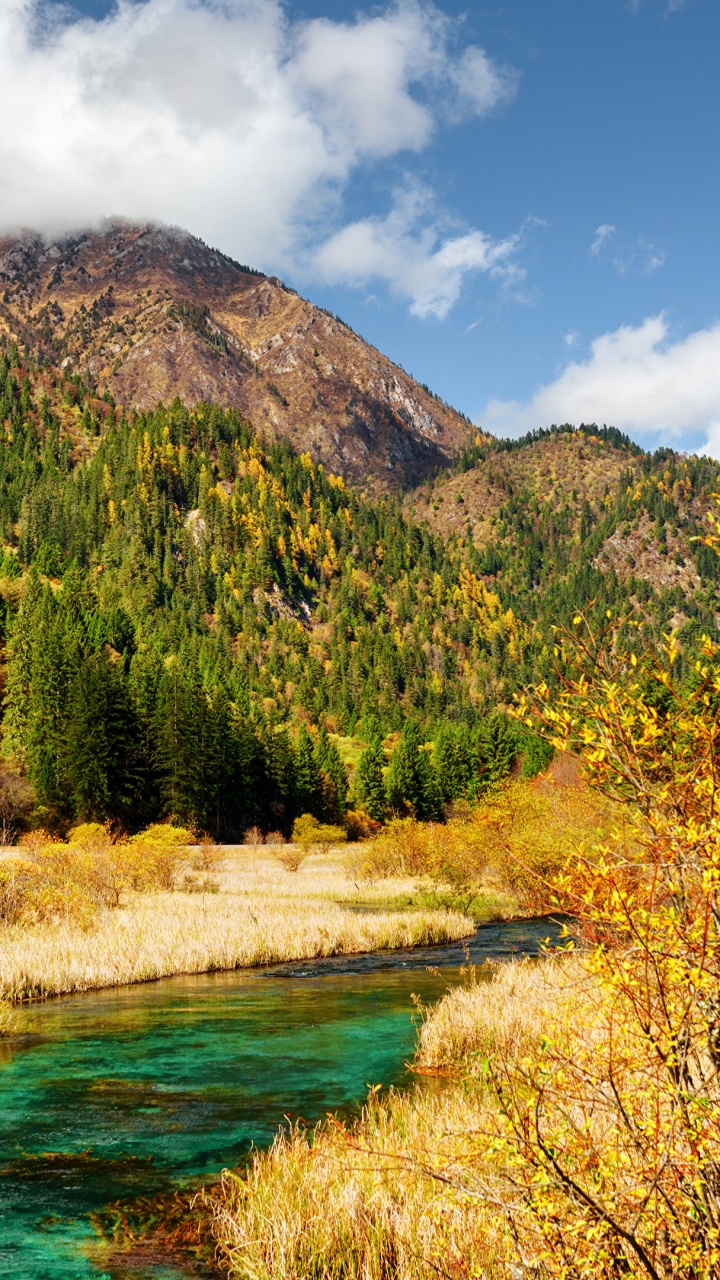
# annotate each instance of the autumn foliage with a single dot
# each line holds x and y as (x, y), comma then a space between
(577, 1136)
(49, 879)
(611, 1134)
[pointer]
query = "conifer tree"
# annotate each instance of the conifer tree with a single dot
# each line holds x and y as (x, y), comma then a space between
(453, 761)
(333, 778)
(99, 757)
(370, 782)
(19, 672)
(497, 748)
(308, 798)
(278, 795)
(411, 782)
(54, 660)
(177, 741)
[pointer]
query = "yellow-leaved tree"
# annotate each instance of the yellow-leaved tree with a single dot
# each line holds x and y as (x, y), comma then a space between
(608, 1139)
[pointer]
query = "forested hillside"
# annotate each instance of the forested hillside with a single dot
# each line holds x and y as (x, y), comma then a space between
(202, 623)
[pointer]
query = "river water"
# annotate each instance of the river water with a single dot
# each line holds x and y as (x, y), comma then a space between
(139, 1090)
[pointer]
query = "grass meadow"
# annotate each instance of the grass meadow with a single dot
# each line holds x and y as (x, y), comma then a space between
(251, 911)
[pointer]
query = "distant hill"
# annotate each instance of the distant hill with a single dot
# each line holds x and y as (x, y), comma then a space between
(149, 313)
(560, 497)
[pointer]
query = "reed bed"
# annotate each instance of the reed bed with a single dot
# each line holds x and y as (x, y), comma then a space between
(160, 934)
(338, 877)
(364, 1203)
(360, 1205)
(501, 1013)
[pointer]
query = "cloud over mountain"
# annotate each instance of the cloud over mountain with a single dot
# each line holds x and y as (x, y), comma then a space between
(229, 118)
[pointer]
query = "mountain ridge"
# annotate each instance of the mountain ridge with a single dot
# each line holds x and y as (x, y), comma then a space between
(147, 313)
(187, 610)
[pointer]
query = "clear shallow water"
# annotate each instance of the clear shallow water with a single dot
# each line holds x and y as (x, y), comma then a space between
(142, 1089)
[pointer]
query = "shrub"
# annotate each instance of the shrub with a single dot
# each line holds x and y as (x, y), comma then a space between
(18, 879)
(311, 834)
(208, 855)
(360, 826)
(291, 858)
(163, 855)
(448, 857)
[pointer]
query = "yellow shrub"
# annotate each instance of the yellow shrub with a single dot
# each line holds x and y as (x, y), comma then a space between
(522, 835)
(18, 879)
(160, 856)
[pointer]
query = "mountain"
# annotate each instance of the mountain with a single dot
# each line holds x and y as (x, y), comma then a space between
(199, 619)
(148, 313)
(201, 623)
(641, 514)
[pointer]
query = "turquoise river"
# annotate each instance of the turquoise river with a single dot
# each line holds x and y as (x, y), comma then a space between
(136, 1091)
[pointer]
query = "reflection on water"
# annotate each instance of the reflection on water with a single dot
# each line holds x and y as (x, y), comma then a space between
(138, 1090)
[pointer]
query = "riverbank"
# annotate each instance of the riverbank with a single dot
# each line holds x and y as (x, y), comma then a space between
(257, 913)
(402, 1191)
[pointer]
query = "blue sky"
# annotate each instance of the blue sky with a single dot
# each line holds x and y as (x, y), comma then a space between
(517, 201)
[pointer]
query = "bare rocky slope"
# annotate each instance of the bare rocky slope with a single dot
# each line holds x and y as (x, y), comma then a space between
(150, 312)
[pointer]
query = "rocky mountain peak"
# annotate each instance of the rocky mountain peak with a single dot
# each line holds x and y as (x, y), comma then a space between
(149, 312)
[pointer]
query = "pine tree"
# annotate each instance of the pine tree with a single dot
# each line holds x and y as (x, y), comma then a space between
(497, 746)
(411, 782)
(370, 782)
(19, 672)
(177, 742)
(308, 794)
(99, 758)
(54, 660)
(333, 778)
(277, 797)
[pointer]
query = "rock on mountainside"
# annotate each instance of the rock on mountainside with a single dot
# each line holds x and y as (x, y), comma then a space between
(149, 312)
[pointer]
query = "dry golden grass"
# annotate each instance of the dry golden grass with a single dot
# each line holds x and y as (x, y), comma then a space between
(500, 1013)
(360, 1206)
(164, 933)
(336, 877)
(364, 1203)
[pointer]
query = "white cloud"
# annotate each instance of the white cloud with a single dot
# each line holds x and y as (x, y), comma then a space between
(407, 252)
(630, 255)
(480, 84)
(637, 379)
(601, 237)
(227, 117)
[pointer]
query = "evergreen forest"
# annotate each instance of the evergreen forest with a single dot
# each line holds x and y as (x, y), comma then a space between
(203, 624)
